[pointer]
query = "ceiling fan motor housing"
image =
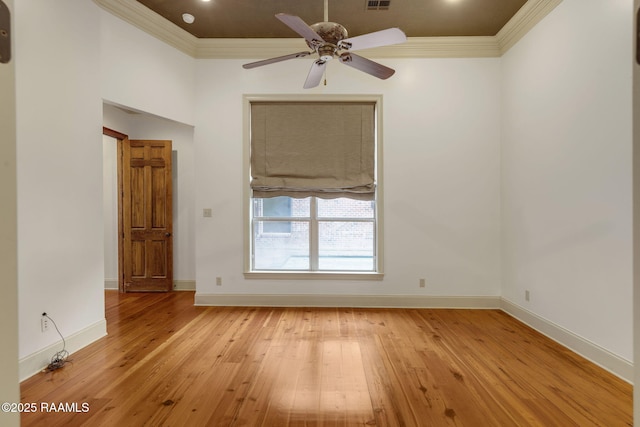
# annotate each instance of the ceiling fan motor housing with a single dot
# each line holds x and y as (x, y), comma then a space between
(331, 33)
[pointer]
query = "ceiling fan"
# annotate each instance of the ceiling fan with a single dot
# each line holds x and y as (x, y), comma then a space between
(330, 40)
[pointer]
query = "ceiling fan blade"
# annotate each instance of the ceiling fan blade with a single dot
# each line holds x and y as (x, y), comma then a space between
(376, 39)
(274, 60)
(300, 27)
(315, 74)
(366, 65)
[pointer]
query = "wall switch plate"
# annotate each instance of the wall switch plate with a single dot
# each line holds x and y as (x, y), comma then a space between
(206, 213)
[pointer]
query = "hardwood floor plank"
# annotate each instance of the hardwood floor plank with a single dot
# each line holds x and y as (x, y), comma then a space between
(166, 362)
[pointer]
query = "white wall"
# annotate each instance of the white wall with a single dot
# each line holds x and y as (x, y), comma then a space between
(441, 174)
(143, 73)
(146, 126)
(60, 250)
(110, 209)
(566, 172)
(9, 387)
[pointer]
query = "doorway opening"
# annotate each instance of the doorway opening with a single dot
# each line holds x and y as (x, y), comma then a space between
(140, 190)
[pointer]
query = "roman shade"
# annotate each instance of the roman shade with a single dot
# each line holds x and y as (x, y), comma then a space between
(322, 149)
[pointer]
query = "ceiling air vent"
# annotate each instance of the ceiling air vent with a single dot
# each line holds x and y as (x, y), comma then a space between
(378, 4)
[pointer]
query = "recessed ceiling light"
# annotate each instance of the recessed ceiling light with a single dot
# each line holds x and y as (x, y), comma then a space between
(188, 18)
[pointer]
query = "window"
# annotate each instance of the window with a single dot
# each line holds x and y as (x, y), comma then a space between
(321, 235)
(313, 191)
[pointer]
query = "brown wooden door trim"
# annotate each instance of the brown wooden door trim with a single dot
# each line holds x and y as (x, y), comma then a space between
(113, 133)
(120, 215)
(119, 137)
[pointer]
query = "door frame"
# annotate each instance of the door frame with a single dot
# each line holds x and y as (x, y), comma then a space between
(119, 137)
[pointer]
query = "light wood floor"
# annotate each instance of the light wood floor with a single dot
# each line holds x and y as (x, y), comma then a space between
(168, 363)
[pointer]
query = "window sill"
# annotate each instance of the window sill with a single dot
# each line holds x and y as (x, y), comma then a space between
(313, 275)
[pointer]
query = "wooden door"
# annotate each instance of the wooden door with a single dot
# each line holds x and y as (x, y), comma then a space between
(147, 216)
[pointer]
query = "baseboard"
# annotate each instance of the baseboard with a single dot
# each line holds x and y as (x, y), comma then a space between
(178, 285)
(360, 301)
(615, 364)
(184, 285)
(36, 362)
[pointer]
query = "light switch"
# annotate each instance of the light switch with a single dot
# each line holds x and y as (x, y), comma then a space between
(206, 213)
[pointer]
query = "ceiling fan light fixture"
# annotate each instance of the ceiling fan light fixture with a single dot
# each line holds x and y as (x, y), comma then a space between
(188, 18)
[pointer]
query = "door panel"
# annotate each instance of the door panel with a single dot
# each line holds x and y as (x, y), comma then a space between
(159, 198)
(147, 215)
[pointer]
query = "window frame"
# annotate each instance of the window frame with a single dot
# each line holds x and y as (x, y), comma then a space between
(378, 273)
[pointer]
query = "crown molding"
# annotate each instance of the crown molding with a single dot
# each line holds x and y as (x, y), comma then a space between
(415, 47)
(524, 20)
(145, 19)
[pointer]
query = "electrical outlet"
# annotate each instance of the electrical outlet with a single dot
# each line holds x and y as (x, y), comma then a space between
(218, 281)
(526, 295)
(44, 323)
(423, 283)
